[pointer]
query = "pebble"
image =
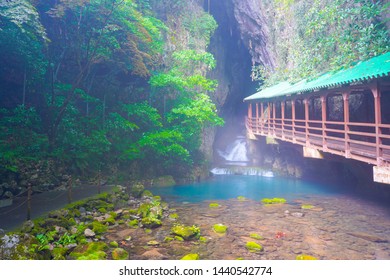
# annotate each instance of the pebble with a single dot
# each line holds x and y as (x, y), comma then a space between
(89, 233)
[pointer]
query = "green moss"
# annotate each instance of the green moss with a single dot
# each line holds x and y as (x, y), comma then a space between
(179, 238)
(148, 230)
(110, 221)
(120, 254)
(144, 209)
(113, 214)
(241, 198)
(275, 200)
(147, 193)
(305, 257)
(137, 190)
(156, 198)
(203, 239)
(190, 257)
(114, 244)
(58, 253)
(307, 206)
(168, 239)
(256, 236)
(102, 210)
(174, 216)
(133, 224)
(98, 227)
(253, 247)
(186, 232)
(214, 205)
(220, 228)
(90, 251)
(149, 222)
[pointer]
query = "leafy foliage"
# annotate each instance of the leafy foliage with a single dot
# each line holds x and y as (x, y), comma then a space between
(313, 37)
(101, 88)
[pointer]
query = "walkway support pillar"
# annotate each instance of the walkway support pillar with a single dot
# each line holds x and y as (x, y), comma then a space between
(269, 118)
(274, 118)
(306, 103)
(323, 119)
(378, 121)
(262, 118)
(346, 125)
(293, 120)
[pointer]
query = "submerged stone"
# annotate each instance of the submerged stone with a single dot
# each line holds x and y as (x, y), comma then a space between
(305, 257)
(307, 206)
(256, 236)
(186, 232)
(275, 200)
(190, 257)
(120, 254)
(214, 205)
(253, 247)
(241, 198)
(220, 228)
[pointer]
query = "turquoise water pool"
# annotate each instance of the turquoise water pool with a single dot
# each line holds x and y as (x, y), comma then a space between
(223, 187)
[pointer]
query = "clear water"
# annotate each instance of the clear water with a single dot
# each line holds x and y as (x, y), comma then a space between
(225, 187)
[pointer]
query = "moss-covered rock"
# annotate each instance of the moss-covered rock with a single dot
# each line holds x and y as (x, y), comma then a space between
(137, 189)
(98, 227)
(58, 253)
(190, 257)
(151, 223)
(214, 205)
(114, 244)
(90, 251)
(220, 228)
(174, 216)
(120, 254)
(186, 232)
(275, 200)
(256, 236)
(307, 206)
(241, 198)
(147, 193)
(305, 257)
(164, 181)
(254, 247)
(133, 223)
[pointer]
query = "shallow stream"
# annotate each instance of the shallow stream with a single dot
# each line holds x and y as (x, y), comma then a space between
(339, 226)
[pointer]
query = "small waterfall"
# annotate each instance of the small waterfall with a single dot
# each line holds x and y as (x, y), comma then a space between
(241, 170)
(236, 161)
(235, 152)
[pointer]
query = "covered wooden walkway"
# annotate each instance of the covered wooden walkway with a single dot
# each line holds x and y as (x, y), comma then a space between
(345, 113)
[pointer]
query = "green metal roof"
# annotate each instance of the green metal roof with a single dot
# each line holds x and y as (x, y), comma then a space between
(375, 67)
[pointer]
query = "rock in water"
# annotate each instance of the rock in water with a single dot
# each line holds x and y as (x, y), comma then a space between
(368, 237)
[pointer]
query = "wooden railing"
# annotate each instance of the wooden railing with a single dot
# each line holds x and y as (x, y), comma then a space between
(365, 142)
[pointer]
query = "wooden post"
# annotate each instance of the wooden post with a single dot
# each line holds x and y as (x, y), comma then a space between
(378, 121)
(307, 117)
(323, 119)
(29, 194)
(346, 125)
(283, 105)
(70, 183)
(262, 118)
(274, 118)
(293, 120)
(269, 118)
